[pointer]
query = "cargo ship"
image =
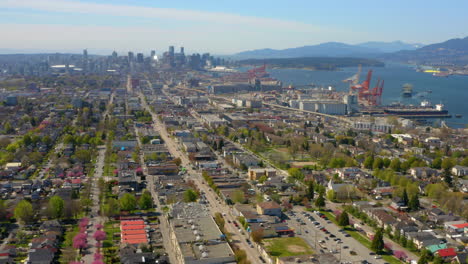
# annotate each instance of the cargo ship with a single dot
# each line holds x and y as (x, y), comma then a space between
(424, 111)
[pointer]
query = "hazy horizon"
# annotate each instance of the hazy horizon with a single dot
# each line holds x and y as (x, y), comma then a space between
(222, 28)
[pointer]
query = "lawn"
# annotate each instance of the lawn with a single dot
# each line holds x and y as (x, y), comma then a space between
(287, 246)
(110, 228)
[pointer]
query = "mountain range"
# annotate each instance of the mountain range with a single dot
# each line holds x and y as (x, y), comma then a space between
(331, 49)
(450, 52)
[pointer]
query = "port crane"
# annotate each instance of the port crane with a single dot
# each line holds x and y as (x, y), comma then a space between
(365, 94)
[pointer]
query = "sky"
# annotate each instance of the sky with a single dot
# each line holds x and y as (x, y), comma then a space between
(221, 26)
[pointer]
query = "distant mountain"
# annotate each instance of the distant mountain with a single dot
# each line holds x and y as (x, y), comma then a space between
(386, 47)
(329, 49)
(453, 51)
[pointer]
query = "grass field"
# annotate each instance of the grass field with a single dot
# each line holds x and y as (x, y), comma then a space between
(287, 246)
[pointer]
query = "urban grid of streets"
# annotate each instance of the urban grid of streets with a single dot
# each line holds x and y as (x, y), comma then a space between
(310, 232)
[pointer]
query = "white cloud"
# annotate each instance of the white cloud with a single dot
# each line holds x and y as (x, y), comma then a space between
(159, 13)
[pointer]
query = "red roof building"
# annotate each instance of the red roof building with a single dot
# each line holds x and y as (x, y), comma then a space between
(447, 252)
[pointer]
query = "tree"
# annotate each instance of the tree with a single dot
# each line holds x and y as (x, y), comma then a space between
(447, 164)
(238, 196)
(404, 197)
(8, 128)
(296, 174)
(320, 201)
(190, 196)
(219, 219)
(262, 179)
(3, 210)
(331, 195)
(257, 235)
(413, 203)
(24, 211)
(438, 260)
(146, 201)
(310, 190)
(437, 163)
(395, 165)
(425, 257)
(368, 162)
(127, 202)
(99, 235)
(177, 161)
(343, 220)
(377, 244)
(378, 163)
(56, 206)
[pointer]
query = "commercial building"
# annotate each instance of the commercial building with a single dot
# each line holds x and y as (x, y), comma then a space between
(196, 237)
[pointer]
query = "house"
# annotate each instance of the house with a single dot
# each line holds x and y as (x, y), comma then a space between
(423, 172)
(269, 208)
(447, 253)
(244, 159)
(130, 254)
(455, 226)
(255, 173)
(348, 173)
(127, 179)
(458, 170)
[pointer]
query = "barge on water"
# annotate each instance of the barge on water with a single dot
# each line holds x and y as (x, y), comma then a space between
(425, 111)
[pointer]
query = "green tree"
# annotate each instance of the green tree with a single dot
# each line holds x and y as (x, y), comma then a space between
(8, 128)
(238, 196)
(111, 207)
(24, 211)
(190, 196)
(368, 162)
(413, 203)
(331, 195)
(262, 179)
(425, 257)
(343, 220)
(404, 197)
(296, 174)
(320, 201)
(377, 244)
(310, 190)
(447, 164)
(146, 201)
(378, 163)
(438, 260)
(437, 163)
(3, 210)
(127, 202)
(56, 206)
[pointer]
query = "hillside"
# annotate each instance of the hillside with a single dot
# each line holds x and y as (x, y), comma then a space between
(314, 63)
(450, 52)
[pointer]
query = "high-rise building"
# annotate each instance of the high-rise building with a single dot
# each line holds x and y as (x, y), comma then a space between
(131, 57)
(140, 57)
(181, 50)
(153, 53)
(171, 51)
(85, 60)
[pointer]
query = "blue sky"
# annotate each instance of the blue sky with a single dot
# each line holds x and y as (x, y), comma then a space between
(223, 27)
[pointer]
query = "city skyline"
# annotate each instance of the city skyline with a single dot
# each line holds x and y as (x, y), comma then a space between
(219, 28)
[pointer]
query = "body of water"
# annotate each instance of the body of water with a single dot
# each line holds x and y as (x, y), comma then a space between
(451, 91)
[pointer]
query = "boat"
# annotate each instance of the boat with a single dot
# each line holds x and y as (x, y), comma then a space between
(441, 74)
(458, 116)
(423, 111)
(407, 90)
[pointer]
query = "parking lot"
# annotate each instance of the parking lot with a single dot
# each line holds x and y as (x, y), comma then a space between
(326, 237)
